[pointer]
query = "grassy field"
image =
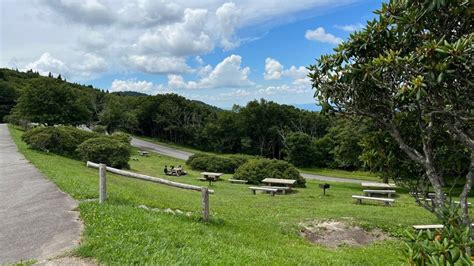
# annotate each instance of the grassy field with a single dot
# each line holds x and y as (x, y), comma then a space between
(244, 229)
(362, 175)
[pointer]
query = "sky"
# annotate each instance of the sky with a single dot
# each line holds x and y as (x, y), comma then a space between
(219, 52)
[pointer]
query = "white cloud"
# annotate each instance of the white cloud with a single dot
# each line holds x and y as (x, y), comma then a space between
(146, 13)
(131, 85)
(273, 69)
(90, 65)
(47, 63)
(158, 64)
(180, 39)
(321, 35)
(283, 89)
(350, 27)
(90, 12)
(227, 74)
(228, 16)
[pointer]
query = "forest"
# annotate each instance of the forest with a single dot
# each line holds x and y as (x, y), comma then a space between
(264, 128)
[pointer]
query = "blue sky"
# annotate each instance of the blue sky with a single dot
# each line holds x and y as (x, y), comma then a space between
(219, 52)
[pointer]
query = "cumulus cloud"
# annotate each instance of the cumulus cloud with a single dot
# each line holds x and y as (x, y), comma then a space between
(321, 35)
(227, 74)
(47, 63)
(90, 12)
(148, 13)
(158, 64)
(180, 39)
(131, 85)
(228, 16)
(273, 69)
(90, 65)
(350, 27)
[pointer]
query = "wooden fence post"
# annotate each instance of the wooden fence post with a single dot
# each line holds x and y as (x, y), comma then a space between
(205, 203)
(102, 183)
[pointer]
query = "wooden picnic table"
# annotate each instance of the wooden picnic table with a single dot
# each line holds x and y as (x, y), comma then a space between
(176, 171)
(279, 181)
(143, 153)
(378, 185)
(210, 176)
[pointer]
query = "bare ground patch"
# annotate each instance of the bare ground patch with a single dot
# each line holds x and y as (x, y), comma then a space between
(335, 234)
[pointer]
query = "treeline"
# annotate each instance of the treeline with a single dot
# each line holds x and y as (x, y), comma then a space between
(263, 128)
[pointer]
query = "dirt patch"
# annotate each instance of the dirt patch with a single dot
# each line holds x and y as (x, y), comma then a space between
(335, 234)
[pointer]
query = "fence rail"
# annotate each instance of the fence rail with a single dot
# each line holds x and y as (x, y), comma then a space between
(103, 188)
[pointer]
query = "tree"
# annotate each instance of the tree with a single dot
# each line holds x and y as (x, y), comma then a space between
(52, 102)
(411, 65)
(300, 149)
(8, 98)
(116, 115)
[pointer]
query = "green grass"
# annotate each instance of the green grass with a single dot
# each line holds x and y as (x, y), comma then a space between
(362, 175)
(244, 228)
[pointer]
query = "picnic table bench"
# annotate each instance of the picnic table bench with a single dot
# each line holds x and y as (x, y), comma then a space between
(239, 181)
(279, 181)
(143, 153)
(272, 191)
(378, 185)
(279, 189)
(455, 202)
(369, 192)
(430, 226)
(359, 199)
(210, 176)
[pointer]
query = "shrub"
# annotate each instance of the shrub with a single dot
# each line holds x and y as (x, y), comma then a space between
(61, 140)
(122, 137)
(258, 169)
(212, 163)
(215, 163)
(100, 129)
(106, 150)
(448, 246)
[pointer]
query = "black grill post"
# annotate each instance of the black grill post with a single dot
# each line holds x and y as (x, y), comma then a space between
(324, 187)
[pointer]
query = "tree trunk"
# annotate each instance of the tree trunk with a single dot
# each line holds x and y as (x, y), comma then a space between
(465, 193)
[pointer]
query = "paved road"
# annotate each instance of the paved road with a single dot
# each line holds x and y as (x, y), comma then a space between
(36, 219)
(160, 149)
(183, 155)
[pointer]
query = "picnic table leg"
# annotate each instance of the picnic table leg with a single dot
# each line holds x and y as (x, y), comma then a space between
(253, 191)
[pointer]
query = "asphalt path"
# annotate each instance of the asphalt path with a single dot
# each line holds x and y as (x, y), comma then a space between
(37, 220)
(183, 155)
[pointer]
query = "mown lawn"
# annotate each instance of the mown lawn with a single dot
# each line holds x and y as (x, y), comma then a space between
(244, 229)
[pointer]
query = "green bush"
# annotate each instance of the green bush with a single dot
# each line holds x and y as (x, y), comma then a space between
(214, 163)
(106, 150)
(61, 140)
(451, 245)
(258, 169)
(211, 163)
(100, 129)
(122, 137)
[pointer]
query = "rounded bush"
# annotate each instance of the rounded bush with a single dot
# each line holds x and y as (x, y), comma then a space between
(122, 137)
(258, 169)
(212, 163)
(100, 129)
(61, 140)
(106, 150)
